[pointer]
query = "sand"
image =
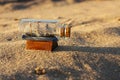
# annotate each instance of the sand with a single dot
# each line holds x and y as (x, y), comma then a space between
(92, 52)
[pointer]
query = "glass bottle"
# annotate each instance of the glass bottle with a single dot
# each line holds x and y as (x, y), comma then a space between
(44, 28)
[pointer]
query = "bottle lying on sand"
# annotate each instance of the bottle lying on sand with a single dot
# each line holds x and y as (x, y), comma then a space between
(44, 28)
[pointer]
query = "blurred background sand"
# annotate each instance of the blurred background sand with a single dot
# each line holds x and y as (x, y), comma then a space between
(92, 52)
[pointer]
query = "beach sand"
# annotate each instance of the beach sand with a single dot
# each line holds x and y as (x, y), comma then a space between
(92, 52)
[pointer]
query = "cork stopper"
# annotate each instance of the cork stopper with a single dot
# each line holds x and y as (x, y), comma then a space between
(67, 31)
(62, 32)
